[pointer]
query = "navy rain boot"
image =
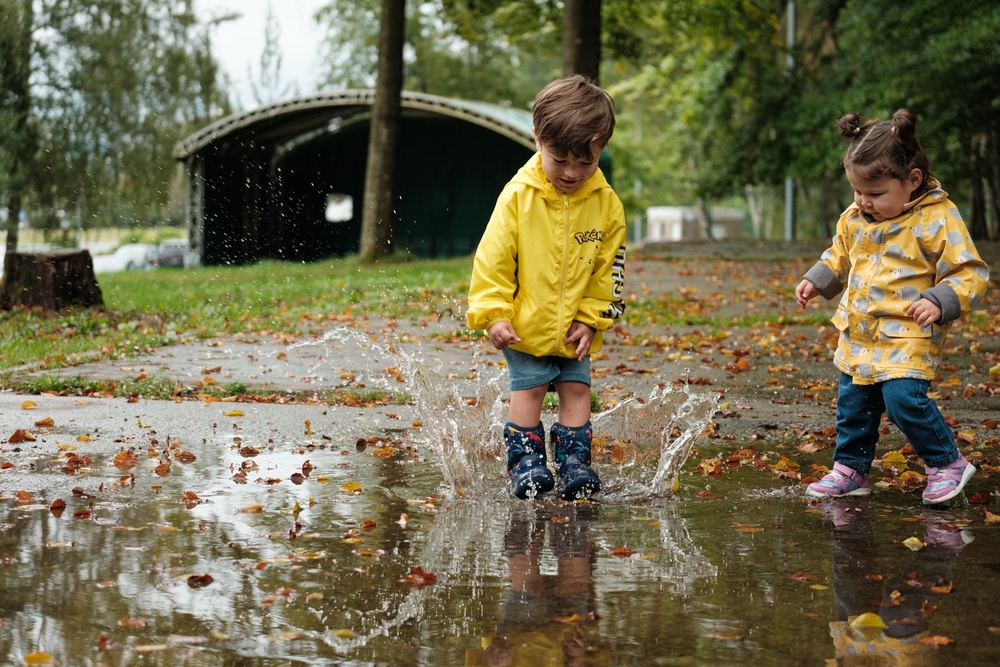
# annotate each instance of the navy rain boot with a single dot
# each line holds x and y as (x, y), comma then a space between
(574, 476)
(526, 460)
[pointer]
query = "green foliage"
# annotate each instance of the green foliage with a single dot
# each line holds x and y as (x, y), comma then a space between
(109, 87)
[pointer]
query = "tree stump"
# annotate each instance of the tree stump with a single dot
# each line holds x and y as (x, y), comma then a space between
(51, 280)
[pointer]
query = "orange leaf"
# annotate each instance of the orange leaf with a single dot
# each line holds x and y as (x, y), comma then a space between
(622, 552)
(20, 435)
(126, 459)
(57, 507)
(48, 422)
(802, 576)
(418, 578)
(937, 640)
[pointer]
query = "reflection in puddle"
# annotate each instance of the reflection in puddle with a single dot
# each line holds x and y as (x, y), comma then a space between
(410, 552)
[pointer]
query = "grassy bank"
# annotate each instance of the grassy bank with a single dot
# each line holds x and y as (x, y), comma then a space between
(146, 309)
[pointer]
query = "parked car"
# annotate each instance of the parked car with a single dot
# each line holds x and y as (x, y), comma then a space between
(126, 257)
(170, 253)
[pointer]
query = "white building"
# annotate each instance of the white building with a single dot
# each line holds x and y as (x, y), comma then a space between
(685, 223)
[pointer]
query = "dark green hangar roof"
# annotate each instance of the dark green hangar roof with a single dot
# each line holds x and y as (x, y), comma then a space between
(261, 183)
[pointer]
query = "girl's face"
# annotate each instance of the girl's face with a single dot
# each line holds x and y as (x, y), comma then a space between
(568, 172)
(885, 197)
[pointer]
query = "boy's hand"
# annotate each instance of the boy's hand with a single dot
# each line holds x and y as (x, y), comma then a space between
(805, 291)
(581, 334)
(924, 312)
(502, 334)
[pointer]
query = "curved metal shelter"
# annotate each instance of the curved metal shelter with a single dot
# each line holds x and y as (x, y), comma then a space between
(286, 181)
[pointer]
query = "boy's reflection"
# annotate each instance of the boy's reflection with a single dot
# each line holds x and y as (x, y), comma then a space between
(902, 602)
(548, 619)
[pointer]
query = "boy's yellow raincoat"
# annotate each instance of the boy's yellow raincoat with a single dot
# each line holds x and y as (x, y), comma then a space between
(547, 259)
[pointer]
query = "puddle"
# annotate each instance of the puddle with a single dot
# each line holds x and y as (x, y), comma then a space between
(277, 546)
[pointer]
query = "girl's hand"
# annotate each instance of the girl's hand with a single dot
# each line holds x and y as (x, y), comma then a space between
(805, 291)
(502, 334)
(924, 312)
(581, 334)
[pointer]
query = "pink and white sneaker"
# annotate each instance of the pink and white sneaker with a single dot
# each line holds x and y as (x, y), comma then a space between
(839, 483)
(948, 481)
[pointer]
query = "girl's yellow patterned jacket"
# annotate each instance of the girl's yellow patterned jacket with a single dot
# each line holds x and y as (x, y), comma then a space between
(883, 267)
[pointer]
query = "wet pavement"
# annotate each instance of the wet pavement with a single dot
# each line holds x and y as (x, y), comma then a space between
(292, 531)
(236, 533)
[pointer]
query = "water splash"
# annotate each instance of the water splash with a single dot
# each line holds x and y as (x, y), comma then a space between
(640, 444)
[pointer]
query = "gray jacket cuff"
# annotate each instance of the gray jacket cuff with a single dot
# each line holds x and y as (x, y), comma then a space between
(945, 298)
(825, 280)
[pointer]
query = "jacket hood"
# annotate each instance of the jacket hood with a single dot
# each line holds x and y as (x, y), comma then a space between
(532, 174)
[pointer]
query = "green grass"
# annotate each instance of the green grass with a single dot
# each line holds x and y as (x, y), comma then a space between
(149, 309)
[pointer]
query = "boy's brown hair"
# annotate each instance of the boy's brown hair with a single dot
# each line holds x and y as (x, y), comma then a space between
(572, 112)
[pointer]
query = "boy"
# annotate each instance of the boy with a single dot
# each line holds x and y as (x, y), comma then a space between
(548, 278)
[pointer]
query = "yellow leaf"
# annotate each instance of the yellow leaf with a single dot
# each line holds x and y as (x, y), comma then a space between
(342, 633)
(83, 437)
(351, 487)
(868, 624)
(39, 658)
(913, 544)
(894, 458)
(27, 405)
(233, 413)
(65, 446)
(995, 370)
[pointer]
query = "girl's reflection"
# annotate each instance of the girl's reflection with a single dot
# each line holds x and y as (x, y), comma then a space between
(548, 619)
(903, 602)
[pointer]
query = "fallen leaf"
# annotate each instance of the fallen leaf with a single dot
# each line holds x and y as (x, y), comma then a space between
(913, 544)
(352, 488)
(20, 435)
(199, 580)
(39, 658)
(233, 413)
(622, 552)
(937, 640)
(126, 459)
(417, 578)
(868, 620)
(27, 405)
(48, 422)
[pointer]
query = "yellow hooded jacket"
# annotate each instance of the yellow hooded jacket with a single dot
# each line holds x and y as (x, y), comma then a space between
(883, 267)
(549, 258)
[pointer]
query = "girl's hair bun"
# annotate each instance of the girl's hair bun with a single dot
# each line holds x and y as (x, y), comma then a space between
(849, 126)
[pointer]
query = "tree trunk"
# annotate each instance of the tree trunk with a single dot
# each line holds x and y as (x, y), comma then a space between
(15, 82)
(376, 220)
(50, 281)
(582, 38)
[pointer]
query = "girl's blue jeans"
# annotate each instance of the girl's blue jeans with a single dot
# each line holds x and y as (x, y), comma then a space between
(905, 402)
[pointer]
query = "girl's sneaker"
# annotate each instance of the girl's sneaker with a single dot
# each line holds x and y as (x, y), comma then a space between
(838, 483)
(947, 482)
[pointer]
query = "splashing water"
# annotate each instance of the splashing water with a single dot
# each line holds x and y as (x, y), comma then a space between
(640, 444)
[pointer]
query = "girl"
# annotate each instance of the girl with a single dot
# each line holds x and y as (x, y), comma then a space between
(903, 258)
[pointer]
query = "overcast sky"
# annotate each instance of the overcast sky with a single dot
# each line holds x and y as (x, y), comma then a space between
(239, 44)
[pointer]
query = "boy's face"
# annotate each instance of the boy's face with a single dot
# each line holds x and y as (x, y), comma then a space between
(568, 172)
(885, 197)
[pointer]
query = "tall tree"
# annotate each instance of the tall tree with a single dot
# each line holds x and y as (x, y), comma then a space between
(106, 87)
(377, 218)
(17, 147)
(581, 43)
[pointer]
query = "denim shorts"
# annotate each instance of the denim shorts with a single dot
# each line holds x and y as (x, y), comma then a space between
(527, 371)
